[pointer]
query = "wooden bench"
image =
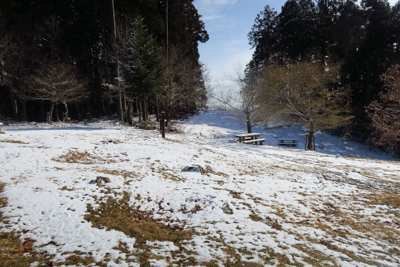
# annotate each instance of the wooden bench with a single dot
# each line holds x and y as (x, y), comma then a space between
(288, 142)
(254, 141)
(1, 125)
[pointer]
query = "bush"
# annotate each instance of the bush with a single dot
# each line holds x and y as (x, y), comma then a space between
(143, 124)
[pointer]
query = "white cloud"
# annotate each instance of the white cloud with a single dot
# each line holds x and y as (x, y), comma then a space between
(209, 17)
(211, 9)
(216, 2)
(220, 69)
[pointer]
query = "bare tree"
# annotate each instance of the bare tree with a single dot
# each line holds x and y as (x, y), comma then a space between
(241, 100)
(19, 60)
(15, 65)
(184, 83)
(58, 83)
(307, 91)
(384, 113)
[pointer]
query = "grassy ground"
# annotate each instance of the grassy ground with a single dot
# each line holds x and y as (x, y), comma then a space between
(15, 252)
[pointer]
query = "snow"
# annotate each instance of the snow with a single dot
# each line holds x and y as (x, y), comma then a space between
(296, 189)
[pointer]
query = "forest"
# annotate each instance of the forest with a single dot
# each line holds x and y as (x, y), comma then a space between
(71, 60)
(331, 64)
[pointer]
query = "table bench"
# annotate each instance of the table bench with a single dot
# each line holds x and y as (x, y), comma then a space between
(247, 137)
(288, 142)
(254, 141)
(250, 138)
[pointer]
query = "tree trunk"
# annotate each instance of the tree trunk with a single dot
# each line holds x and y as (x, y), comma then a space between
(66, 112)
(24, 110)
(139, 110)
(129, 113)
(114, 38)
(168, 115)
(124, 104)
(368, 85)
(108, 105)
(50, 113)
(14, 106)
(89, 113)
(144, 109)
(157, 109)
(42, 111)
(58, 115)
(248, 122)
(310, 137)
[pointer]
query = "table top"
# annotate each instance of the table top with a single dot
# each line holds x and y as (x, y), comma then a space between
(247, 135)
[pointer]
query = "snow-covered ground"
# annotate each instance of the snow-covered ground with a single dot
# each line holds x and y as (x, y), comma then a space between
(337, 206)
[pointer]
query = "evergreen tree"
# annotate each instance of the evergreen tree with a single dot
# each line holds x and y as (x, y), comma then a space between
(297, 29)
(263, 37)
(142, 65)
(364, 37)
(85, 37)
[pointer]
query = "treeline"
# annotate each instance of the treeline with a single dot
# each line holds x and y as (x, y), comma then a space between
(361, 38)
(80, 59)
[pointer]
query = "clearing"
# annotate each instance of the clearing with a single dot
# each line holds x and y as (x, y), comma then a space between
(254, 206)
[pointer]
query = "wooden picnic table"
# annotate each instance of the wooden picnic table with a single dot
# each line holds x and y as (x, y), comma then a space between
(248, 136)
(288, 142)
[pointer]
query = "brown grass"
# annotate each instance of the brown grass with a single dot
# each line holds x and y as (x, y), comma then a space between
(121, 216)
(209, 170)
(123, 173)
(77, 157)
(80, 260)
(13, 142)
(14, 251)
(390, 199)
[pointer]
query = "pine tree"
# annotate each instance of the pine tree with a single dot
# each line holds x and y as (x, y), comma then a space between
(142, 64)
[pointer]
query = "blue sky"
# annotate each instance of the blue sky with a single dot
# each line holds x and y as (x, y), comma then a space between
(228, 22)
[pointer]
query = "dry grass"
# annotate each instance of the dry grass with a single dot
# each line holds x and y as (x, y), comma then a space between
(13, 142)
(344, 224)
(78, 157)
(80, 259)
(73, 156)
(209, 170)
(123, 173)
(14, 251)
(121, 216)
(390, 199)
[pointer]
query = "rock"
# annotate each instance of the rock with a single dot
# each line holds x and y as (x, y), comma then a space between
(101, 179)
(227, 209)
(339, 156)
(193, 168)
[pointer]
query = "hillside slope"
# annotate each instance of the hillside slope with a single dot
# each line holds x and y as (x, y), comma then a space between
(253, 206)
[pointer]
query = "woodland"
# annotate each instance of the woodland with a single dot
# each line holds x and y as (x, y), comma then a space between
(331, 64)
(63, 60)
